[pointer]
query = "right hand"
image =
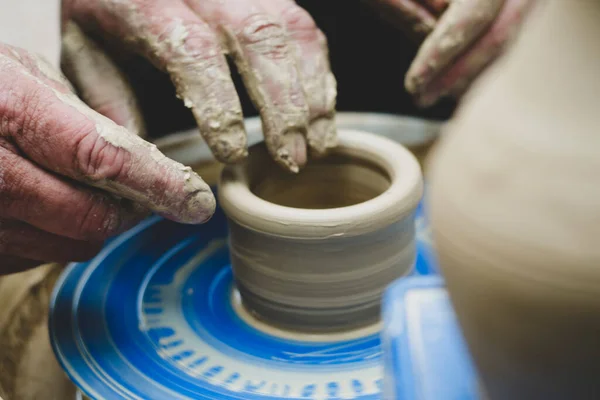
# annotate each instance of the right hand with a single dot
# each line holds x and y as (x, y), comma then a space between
(70, 177)
(280, 53)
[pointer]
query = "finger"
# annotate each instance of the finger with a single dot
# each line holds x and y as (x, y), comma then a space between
(457, 79)
(312, 56)
(54, 205)
(19, 239)
(60, 133)
(410, 16)
(99, 82)
(266, 62)
(38, 67)
(180, 43)
(458, 28)
(11, 264)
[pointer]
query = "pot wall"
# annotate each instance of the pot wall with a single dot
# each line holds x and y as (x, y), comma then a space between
(515, 208)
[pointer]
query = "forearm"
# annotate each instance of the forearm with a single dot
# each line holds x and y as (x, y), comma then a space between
(33, 25)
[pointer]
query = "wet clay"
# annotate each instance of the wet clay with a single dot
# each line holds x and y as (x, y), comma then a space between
(314, 251)
(515, 206)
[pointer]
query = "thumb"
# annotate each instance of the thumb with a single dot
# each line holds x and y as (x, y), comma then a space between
(60, 133)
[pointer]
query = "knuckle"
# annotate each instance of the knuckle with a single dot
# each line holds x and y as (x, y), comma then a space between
(97, 160)
(300, 24)
(264, 35)
(185, 40)
(201, 42)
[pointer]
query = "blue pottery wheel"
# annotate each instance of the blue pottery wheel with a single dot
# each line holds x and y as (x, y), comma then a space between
(155, 316)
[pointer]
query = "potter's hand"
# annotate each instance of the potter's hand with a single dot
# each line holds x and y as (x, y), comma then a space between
(277, 48)
(463, 37)
(59, 160)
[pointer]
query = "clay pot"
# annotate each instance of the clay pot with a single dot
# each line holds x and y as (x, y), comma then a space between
(515, 208)
(314, 251)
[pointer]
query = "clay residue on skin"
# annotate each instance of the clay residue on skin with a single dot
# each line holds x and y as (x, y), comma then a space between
(459, 26)
(193, 204)
(318, 82)
(320, 89)
(200, 200)
(190, 53)
(98, 80)
(266, 64)
(199, 82)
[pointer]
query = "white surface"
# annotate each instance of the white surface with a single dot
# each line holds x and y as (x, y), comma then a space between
(33, 25)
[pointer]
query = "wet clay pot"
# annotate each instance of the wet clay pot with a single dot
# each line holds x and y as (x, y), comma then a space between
(515, 211)
(314, 251)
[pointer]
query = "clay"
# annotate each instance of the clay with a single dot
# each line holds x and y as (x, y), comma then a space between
(514, 207)
(291, 116)
(318, 82)
(201, 76)
(313, 251)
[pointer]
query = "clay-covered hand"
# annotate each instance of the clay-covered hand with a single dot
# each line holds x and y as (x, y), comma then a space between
(280, 53)
(462, 37)
(70, 177)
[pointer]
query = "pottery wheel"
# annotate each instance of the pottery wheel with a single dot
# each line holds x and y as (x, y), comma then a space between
(156, 315)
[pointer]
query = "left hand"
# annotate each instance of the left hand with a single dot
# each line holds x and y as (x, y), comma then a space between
(461, 38)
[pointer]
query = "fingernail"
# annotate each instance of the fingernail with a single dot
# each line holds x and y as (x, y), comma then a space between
(293, 152)
(228, 143)
(322, 136)
(199, 204)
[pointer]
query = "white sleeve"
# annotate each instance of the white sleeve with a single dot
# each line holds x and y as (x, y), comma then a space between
(33, 25)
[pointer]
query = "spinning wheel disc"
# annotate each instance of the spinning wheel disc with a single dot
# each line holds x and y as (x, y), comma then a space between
(156, 316)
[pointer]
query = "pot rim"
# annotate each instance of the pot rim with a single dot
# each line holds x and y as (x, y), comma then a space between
(396, 202)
